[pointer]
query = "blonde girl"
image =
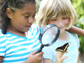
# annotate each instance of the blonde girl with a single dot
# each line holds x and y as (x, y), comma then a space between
(62, 14)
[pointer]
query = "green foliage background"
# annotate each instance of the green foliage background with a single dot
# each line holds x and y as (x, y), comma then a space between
(79, 7)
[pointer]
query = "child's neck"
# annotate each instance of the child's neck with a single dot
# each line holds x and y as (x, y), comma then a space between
(64, 36)
(23, 34)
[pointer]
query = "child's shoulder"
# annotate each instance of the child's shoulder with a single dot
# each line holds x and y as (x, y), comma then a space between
(73, 35)
(35, 27)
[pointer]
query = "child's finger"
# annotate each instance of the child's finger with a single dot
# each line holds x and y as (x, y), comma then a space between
(63, 58)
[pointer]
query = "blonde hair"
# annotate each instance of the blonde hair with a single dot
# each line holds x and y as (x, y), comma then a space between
(51, 9)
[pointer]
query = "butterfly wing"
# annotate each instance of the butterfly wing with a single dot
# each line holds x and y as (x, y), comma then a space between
(63, 48)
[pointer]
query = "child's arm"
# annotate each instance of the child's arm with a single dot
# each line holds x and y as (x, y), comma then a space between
(76, 30)
(1, 59)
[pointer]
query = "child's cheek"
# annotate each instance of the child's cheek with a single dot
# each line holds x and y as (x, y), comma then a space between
(67, 21)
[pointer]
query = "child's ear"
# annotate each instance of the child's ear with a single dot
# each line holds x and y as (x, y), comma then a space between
(9, 12)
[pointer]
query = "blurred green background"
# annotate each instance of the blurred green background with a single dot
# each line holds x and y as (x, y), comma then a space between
(79, 7)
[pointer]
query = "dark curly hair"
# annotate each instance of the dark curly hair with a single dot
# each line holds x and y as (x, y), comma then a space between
(18, 4)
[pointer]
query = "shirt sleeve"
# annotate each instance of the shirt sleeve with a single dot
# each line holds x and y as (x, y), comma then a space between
(34, 31)
(2, 44)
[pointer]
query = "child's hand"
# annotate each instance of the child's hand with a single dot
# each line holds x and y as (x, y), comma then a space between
(34, 58)
(59, 57)
(60, 51)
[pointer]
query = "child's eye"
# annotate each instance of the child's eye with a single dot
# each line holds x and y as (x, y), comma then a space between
(33, 16)
(26, 16)
(64, 18)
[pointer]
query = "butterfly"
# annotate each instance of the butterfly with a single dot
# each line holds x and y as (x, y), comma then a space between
(63, 48)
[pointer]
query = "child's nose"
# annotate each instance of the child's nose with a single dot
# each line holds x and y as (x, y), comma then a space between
(60, 22)
(31, 20)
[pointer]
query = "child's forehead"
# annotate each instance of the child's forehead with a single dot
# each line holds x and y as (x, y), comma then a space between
(60, 15)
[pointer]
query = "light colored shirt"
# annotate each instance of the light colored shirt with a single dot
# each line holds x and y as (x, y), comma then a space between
(50, 53)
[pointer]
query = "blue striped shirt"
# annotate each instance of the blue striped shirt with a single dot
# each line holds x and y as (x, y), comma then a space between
(15, 49)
